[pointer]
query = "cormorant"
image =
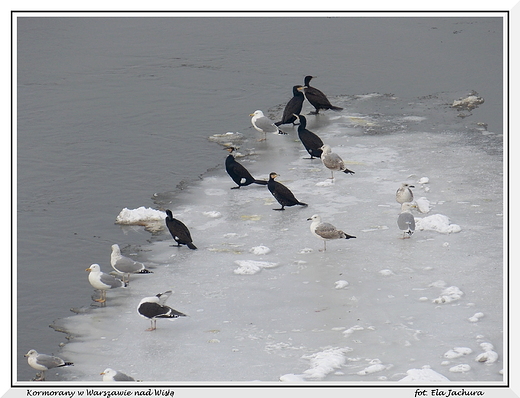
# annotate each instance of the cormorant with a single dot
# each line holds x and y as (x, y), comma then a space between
(406, 220)
(264, 124)
(154, 307)
(310, 141)
(179, 231)
(326, 231)
(281, 193)
(237, 172)
(317, 99)
(294, 106)
(404, 193)
(333, 161)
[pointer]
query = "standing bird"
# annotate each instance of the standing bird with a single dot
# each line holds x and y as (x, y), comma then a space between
(333, 161)
(326, 231)
(125, 265)
(179, 231)
(310, 141)
(264, 124)
(293, 107)
(154, 307)
(281, 193)
(114, 375)
(404, 193)
(237, 172)
(103, 282)
(406, 220)
(44, 362)
(317, 99)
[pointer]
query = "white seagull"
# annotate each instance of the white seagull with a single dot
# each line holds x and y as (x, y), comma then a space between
(100, 280)
(125, 265)
(406, 220)
(326, 231)
(44, 362)
(333, 161)
(263, 124)
(154, 307)
(114, 375)
(404, 193)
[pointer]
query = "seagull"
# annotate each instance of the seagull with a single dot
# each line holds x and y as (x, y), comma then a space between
(179, 231)
(406, 221)
(310, 141)
(44, 362)
(100, 280)
(317, 99)
(281, 193)
(114, 375)
(153, 308)
(404, 193)
(326, 231)
(333, 161)
(293, 107)
(264, 124)
(239, 173)
(125, 265)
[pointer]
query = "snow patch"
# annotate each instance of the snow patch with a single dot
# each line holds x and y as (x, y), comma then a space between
(250, 267)
(423, 375)
(437, 222)
(448, 295)
(325, 362)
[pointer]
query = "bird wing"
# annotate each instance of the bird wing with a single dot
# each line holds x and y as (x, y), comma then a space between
(315, 96)
(333, 161)
(49, 361)
(119, 376)
(266, 125)
(328, 231)
(282, 194)
(110, 280)
(125, 264)
(406, 221)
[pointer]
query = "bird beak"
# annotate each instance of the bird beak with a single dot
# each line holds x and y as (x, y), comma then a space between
(411, 186)
(88, 269)
(102, 373)
(301, 88)
(309, 219)
(251, 114)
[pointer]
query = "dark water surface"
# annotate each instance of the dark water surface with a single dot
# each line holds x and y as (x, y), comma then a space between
(113, 110)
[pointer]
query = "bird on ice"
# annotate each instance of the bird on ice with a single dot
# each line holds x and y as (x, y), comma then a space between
(103, 282)
(333, 161)
(406, 220)
(43, 362)
(317, 99)
(310, 140)
(180, 232)
(404, 193)
(326, 231)
(281, 193)
(114, 375)
(263, 124)
(154, 307)
(293, 107)
(125, 265)
(239, 173)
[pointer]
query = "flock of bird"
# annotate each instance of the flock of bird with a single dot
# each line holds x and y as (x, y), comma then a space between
(155, 307)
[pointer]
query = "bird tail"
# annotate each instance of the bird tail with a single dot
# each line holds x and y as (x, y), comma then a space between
(279, 123)
(281, 132)
(302, 204)
(145, 271)
(347, 171)
(336, 108)
(191, 246)
(260, 182)
(67, 364)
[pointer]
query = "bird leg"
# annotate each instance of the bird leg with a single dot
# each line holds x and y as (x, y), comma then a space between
(40, 376)
(153, 326)
(279, 209)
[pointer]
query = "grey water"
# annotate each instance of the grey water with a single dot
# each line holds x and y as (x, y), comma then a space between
(113, 110)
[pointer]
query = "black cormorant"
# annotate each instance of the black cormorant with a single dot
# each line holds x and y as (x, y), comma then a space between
(317, 99)
(294, 106)
(237, 172)
(281, 193)
(179, 231)
(310, 141)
